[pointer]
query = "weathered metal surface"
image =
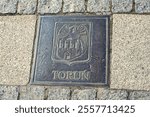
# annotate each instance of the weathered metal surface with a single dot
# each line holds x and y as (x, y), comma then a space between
(71, 50)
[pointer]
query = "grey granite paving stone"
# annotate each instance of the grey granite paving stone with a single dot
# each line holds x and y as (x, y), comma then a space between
(32, 93)
(142, 6)
(9, 92)
(139, 95)
(73, 6)
(96, 6)
(58, 93)
(8, 6)
(108, 94)
(49, 6)
(26, 6)
(122, 6)
(84, 94)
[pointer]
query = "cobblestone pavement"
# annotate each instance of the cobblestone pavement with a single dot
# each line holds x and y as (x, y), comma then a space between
(15, 70)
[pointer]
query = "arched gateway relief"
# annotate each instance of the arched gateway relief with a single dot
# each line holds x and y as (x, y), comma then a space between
(72, 42)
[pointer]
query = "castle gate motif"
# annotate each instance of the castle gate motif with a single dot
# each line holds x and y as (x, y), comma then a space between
(71, 43)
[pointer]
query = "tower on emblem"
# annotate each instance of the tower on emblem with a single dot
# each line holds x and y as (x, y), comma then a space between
(71, 42)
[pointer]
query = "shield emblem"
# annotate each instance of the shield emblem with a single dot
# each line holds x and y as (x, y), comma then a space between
(71, 43)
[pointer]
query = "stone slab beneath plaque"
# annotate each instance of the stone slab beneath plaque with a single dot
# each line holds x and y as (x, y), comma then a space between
(71, 50)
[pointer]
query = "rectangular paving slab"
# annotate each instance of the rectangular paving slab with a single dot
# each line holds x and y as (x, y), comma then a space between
(130, 59)
(16, 41)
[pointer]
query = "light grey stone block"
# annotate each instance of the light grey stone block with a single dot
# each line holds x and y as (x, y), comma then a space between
(58, 93)
(142, 6)
(130, 58)
(26, 6)
(122, 5)
(107, 94)
(16, 43)
(8, 6)
(8, 92)
(102, 6)
(74, 6)
(32, 93)
(49, 6)
(139, 95)
(84, 94)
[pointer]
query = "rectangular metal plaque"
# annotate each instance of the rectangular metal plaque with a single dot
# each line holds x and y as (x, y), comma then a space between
(71, 50)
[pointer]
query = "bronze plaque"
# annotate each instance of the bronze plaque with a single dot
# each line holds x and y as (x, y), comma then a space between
(71, 50)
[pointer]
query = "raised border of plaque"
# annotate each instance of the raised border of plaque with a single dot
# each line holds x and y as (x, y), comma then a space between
(71, 50)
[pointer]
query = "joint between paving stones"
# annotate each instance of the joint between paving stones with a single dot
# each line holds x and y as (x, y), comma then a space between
(46, 93)
(33, 49)
(36, 11)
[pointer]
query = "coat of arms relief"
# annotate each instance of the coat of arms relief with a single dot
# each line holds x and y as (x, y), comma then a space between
(72, 42)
